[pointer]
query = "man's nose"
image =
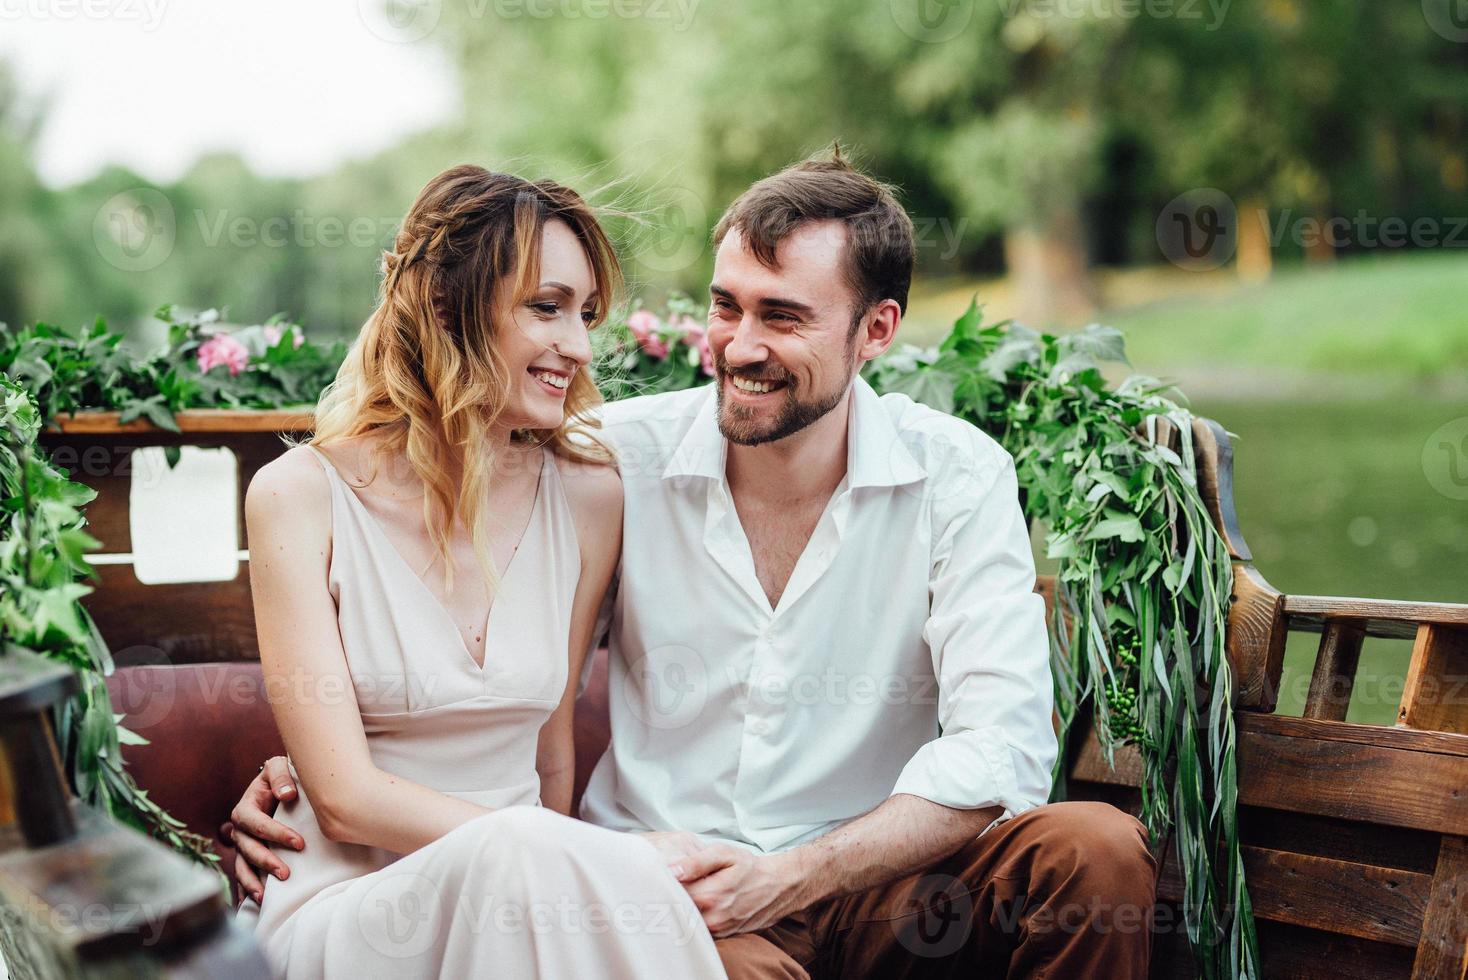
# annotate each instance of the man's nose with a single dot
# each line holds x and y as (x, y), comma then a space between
(746, 346)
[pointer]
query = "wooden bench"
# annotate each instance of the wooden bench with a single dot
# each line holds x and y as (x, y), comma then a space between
(1354, 835)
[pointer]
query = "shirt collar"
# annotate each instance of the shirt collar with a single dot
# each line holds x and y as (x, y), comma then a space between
(875, 454)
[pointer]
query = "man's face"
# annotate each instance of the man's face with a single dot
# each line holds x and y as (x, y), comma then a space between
(783, 340)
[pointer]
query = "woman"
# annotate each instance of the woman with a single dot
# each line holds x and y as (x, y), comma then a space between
(426, 576)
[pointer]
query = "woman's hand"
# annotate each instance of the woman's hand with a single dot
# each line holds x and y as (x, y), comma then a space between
(252, 830)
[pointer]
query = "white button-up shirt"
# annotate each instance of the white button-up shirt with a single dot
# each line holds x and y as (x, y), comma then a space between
(907, 654)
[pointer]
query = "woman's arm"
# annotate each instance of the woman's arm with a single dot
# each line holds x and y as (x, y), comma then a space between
(595, 495)
(288, 515)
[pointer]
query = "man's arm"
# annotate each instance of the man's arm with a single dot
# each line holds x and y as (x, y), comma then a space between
(739, 891)
(992, 758)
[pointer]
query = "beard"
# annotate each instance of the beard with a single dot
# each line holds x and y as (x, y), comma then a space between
(745, 426)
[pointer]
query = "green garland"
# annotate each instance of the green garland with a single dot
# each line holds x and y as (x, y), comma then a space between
(1142, 587)
(42, 542)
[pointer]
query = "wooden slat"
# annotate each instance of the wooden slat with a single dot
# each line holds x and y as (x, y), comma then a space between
(1334, 675)
(1435, 697)
(1373, 774)
(1383, 736)
(1443, 953)
(1345, 897)
(1380, 617)
(1376, 784)
(193, 420)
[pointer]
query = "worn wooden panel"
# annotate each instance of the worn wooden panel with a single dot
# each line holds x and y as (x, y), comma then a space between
(1436, 694)
(1383, 904)
(1362, 900)
(1293, 952)
(1353, 781)
(187, 622)
(1443, 954)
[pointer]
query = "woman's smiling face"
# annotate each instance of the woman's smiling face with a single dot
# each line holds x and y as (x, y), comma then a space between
(546, 340)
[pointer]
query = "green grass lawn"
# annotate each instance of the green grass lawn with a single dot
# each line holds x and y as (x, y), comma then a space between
(1388, 318)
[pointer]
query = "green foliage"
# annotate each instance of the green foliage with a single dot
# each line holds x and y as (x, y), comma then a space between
(42, 573)
(67, 370)
(1142, 587)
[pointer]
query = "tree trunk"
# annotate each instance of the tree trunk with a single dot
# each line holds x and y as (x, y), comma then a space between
(1050, 269)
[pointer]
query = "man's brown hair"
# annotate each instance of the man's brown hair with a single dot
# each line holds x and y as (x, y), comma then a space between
(879, 247)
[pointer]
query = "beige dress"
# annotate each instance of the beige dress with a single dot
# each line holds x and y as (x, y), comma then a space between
(522, 892)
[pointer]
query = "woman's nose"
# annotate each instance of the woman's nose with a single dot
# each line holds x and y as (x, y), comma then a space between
(575, 343)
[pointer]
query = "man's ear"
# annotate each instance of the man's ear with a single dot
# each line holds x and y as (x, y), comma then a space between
(878, 329)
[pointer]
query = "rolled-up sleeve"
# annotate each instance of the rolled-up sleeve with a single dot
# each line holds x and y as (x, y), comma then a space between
(986, 630)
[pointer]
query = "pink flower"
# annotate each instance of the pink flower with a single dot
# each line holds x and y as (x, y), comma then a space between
(222, 349)
(644, 327)
(272, 335)
(696, 336)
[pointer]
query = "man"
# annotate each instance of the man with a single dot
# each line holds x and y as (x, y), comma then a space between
(831, 696)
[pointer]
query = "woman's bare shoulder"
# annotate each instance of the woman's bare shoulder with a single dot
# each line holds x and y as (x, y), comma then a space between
(594, 491)
(294, 483)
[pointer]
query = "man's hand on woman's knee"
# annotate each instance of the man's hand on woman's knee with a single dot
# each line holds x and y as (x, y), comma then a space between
(252, 829)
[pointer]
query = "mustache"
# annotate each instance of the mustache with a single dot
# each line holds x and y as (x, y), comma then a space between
(765, 371)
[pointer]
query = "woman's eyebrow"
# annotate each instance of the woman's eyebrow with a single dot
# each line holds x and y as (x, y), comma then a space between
(558, 287)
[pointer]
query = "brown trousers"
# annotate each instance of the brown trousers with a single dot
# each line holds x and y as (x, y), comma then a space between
(1064, 890)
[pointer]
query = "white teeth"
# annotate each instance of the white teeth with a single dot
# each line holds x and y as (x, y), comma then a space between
(758, 387)
(554, 380)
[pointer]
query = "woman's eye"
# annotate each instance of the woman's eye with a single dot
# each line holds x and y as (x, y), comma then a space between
(588, 317)
(545, 309)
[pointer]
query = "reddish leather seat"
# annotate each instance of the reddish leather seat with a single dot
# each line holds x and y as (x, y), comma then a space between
(210, 727)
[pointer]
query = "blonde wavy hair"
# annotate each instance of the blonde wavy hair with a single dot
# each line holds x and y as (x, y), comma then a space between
(425, 373)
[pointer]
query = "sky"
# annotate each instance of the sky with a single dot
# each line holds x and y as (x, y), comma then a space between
(294, 87)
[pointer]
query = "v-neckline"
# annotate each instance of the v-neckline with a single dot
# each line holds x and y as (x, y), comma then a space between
(437, 603)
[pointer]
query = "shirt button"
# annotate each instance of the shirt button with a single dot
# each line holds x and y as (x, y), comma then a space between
(759, 727)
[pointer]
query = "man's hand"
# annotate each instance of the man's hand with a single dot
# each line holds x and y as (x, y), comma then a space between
(740, 891)
(251, 828)
(673, 845)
